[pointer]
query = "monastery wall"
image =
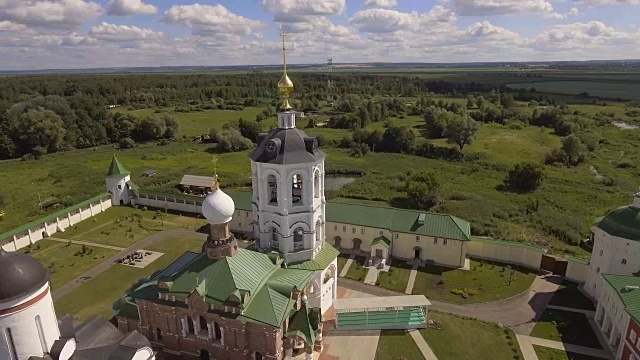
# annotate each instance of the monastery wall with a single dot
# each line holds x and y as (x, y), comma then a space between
(577, 270)
(506, 252)
(40, 229)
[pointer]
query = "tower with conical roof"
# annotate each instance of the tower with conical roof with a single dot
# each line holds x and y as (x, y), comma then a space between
(116, 182)
(288, 198)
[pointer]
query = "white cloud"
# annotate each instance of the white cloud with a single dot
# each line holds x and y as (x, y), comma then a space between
(113, 32)
(583, 36)
(500, 7)
(305, 7)
(50, 13)
(612, 2)
(130, 7)
(210, 20)
(388, 21)
(381, 3)
(8, 26)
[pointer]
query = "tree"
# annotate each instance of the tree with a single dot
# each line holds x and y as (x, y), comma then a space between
(172, 126)
(575, 151)
(232, 141)
(479, 101)
(461, 130)
(39, 128)
(525, 177)
(8, 149)
(250, 129)
(435, 121)
(150, 128)
(397, 139)
(507, 101)
(471, 102)
(126, 143)
(423, 190)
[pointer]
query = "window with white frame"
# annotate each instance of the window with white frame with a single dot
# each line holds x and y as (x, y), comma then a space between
(435, 241)
(380, 232)
(632, 357)
(601, 251)
(638, 343)
(444, 242)
(362, 231)
(397, 236)
(633, 336)
(624, 261)
(335, 227)
(417, 238)
(353, 230)
(344, 229)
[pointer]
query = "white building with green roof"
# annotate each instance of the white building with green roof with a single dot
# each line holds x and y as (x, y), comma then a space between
(616, 245)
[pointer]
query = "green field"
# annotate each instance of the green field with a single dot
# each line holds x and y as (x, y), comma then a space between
(489, 280)
(357, 271)
(465, 338)
(66, 261)
(397, 344)
(397, 277)
(125, 226)
(96, 297)
(567, 327)
(601, 87)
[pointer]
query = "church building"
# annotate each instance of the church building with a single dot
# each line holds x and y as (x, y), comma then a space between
(228, 302)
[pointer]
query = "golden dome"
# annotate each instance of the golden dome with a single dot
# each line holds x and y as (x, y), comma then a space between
(285, 82)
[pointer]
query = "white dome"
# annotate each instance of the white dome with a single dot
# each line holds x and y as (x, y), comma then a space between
(218, 207)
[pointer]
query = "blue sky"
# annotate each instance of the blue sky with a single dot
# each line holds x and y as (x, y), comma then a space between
(119, 33)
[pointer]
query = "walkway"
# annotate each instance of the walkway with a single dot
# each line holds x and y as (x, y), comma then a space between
(372, 275)
(412, 279)
(422, 345)
(527, 342)
(76, 242)
(519, 312)
(105, 265)
(347, 265)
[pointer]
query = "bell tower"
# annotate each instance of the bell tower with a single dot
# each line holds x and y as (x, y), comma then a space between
(288, 185)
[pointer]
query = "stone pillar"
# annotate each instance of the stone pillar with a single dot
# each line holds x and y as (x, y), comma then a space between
(210, 330)
(221, 336)
(317, 345)
(288, 347)
(308, 352)
(183, 322)
(196, 325)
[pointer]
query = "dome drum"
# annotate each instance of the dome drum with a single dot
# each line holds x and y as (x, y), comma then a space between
(21, 276)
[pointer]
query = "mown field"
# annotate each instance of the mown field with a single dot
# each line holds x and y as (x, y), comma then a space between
(567, 202)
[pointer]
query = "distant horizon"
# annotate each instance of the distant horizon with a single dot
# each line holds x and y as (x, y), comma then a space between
(460, 64)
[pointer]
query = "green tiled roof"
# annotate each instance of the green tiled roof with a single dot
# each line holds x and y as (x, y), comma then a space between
(324, 257)
(133, 186)
(268, 284)
(623, 222)
(23, 229)
(396, 220)
(301, 325)
(577, 259)
(510, 243)
(382, 240)
(630, 297)
(116, 168)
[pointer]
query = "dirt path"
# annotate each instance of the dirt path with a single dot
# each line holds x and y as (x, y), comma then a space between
(87, 243)
(104, 266)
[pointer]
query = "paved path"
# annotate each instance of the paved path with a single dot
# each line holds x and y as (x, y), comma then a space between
(412, 279)
(422, 345)
(347, 265)
(105, 265)
(372, 276)
(526, 347)
(519, 312)
(589, 313)
(530, 341)
(85, 243)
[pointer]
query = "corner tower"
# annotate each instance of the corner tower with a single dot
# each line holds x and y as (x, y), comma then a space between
(116, 181)
(287, 175)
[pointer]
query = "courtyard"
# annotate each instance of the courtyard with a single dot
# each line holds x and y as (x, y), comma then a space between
(567, 327)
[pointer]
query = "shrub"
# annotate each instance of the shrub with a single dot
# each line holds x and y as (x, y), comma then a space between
(457, 291)
(526, 177)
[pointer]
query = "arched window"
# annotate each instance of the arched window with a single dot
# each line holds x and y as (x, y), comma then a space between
(274, 238)
(257, 356)
(272, 183)
(296, 189)
(316, 184)
(158, 334)
(43, 340)
(204, 355)
(318, 231)
(217, 332)
(298, 239)
(203, 323)
(190, 328)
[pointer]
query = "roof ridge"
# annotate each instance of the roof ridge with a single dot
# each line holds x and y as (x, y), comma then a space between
(454, 218)
(391, 208)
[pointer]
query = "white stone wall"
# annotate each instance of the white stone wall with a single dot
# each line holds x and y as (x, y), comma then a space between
(576, 271)
(611, 315)
(324, 293)
(506, 253)
(170, 203)
(607, 258)
(60, 223)
(24, 330)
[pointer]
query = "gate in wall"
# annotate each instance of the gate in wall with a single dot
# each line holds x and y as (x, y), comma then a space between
(553, 265)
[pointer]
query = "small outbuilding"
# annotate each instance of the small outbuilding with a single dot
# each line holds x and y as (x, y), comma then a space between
(197, 185)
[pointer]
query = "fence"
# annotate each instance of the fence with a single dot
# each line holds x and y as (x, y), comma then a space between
(510, 252)
(37, 230)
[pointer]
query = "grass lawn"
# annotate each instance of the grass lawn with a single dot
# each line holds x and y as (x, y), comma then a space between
(490, 280)
(397, 277)
(545, 353)
(468, 339)
(64, 261)
(396, 345)
(567, 327)
(97, 296)
(123, 226)
(568, 295)
(357, 271)
(342, 260)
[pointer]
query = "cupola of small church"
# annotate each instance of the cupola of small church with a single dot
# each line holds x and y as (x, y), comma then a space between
(218, 209)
